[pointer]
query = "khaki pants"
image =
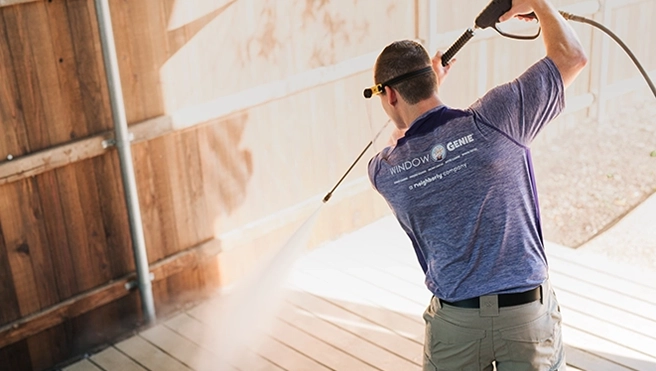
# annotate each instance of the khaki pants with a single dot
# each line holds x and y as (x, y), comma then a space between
(523, 337)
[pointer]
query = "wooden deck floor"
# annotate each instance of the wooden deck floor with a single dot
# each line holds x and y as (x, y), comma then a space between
(356, 304)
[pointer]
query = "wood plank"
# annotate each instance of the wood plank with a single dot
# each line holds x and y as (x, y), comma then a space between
(111, 359)
(356, 302)
(24, 240)
(10, 311)
(16, 356)
(628, 339)
(70, 119)
(113, 209)
(55, 230)
(83, 303)
(61, 117)
(292, 337)
(604, 311)
(90, 69)
(84, 365)
(599, 293)
(97, 257)
(52, 158)
(606, 349)
(149, 356)
(316, 348)
(584, 360)
(184, 170)
(604, 278)
(359, 325)
(598, 262)
(206, 337)
(17, 26)
(158, 212)
(73, 307)
(365, 350)
(189, 353)
(14, 139)
(271, 349)
(382, 297)
(73, 211)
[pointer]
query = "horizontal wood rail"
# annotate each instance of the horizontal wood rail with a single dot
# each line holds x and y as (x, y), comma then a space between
(116, 289)
(15, 2)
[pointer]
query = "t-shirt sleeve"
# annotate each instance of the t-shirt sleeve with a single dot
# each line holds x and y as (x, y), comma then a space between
(522, 107)
(373, 166)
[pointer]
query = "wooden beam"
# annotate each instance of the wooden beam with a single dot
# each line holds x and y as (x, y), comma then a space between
(14, 2)
(73, 307)
(62, 155)
(38, 162)
(88, 301)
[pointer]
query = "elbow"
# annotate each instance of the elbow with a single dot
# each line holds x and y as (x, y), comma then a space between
(575, 61)
(579, 59)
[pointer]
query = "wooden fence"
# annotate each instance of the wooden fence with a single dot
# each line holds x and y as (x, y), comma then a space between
(244, 113)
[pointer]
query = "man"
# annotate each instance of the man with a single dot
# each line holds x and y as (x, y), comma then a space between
(460, 183)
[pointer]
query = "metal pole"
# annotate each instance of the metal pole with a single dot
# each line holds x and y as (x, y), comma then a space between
(125, 158)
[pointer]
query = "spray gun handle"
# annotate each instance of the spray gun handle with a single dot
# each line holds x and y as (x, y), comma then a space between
(489, 17)
(446, 57)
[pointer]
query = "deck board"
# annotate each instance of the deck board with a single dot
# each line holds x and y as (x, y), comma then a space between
(348, 342)
(83, 365)
(359, 325)
(356, 304)
(150, 356)
(111, 359)
(195, 331)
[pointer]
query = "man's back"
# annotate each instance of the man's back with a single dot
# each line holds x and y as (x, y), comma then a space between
(461, 185)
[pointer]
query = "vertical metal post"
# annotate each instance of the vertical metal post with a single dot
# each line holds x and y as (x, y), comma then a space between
(125, 158)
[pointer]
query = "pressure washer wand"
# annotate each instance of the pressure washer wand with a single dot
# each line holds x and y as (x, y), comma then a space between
(330, 194)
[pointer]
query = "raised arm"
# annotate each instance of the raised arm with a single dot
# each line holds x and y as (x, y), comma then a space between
(560, 40)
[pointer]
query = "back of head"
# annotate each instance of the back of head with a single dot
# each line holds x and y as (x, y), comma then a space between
(401, 57)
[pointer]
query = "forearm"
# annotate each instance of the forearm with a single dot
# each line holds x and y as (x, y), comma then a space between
(561, 42)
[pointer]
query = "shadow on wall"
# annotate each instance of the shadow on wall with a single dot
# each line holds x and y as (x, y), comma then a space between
(226, 168)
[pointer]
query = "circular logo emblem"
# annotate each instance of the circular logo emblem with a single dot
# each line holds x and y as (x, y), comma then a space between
(438, 153)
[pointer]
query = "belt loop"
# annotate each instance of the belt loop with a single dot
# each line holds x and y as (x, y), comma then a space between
(542, 293)
(438, 303)
(489, 306)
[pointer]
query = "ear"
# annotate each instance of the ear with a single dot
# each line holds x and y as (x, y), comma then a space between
(390, 96)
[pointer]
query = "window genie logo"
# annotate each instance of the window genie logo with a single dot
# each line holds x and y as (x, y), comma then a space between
(438, 153)
(460, 142)
(407, 165)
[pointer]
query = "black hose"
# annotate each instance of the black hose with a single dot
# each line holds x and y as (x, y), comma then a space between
(610, 33)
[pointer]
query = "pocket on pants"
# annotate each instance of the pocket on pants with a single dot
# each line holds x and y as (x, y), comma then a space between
(451, 347)
(535, 342)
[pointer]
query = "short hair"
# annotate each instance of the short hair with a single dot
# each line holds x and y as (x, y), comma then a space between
(401, 57)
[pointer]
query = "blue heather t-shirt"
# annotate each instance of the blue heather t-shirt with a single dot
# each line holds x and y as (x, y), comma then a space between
(460, 183)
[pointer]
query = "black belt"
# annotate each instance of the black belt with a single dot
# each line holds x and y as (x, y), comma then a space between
(505, 300)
